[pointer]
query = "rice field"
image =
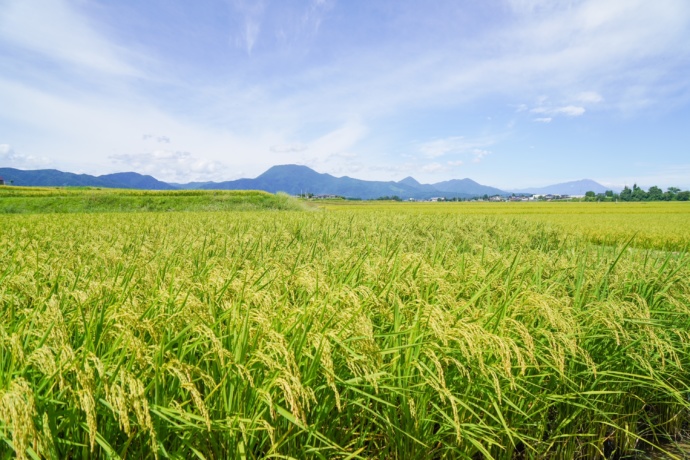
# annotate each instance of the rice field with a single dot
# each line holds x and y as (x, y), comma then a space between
(60, 200)
(356, 331)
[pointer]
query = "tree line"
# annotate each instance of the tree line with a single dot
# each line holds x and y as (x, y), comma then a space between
(637, 193)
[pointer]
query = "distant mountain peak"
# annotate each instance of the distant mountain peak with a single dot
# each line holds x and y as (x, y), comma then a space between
(411, 181)
(288, 168)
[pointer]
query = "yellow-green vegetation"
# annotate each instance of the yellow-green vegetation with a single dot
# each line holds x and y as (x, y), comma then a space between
(25, 200)
(660, 225)
(350, 333)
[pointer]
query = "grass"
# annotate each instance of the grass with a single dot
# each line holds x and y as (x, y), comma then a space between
(32, 200)
(362, 332)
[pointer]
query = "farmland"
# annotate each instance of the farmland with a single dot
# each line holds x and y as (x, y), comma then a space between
(32, 200)
(355, 330)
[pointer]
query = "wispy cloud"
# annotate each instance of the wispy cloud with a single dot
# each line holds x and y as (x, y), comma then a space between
(568, 110)
(338, 141)
(252, 12)
(288, 148)
(11, 159)
(457, 145)
(57, 31)
(433, 167)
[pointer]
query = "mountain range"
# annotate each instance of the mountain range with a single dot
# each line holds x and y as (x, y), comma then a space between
(294, 179)
(55, 178)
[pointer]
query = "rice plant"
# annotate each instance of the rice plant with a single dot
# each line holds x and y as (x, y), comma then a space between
(351, 333)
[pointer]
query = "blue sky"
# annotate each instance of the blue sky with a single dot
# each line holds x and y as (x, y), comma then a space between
(511, 93)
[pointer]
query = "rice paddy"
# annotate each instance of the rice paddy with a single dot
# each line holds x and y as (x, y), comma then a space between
(357, 331)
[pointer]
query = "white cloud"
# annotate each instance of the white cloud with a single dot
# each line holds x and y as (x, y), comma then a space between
(9, 158)
(457, 145)
(568, 110)
(172, 166)
(479, 154)
(589, 97)
(455, 163)
(82, 134)
(543, 119)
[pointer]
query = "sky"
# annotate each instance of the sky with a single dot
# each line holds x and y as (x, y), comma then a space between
(510, 93)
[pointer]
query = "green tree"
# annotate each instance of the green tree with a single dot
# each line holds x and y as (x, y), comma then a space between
(638, 194)
(655, 194)
(683, 196)
(626, 194)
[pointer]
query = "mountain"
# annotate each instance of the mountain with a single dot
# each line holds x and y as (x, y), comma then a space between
(578, 187)
(138, 181)
(461, 187)
(297, 179)
(292, 179)
(412, 182)
(55, 178)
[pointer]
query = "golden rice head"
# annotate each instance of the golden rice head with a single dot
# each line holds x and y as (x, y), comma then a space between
(17, 411)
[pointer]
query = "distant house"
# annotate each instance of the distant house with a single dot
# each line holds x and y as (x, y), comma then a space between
(2, 181)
